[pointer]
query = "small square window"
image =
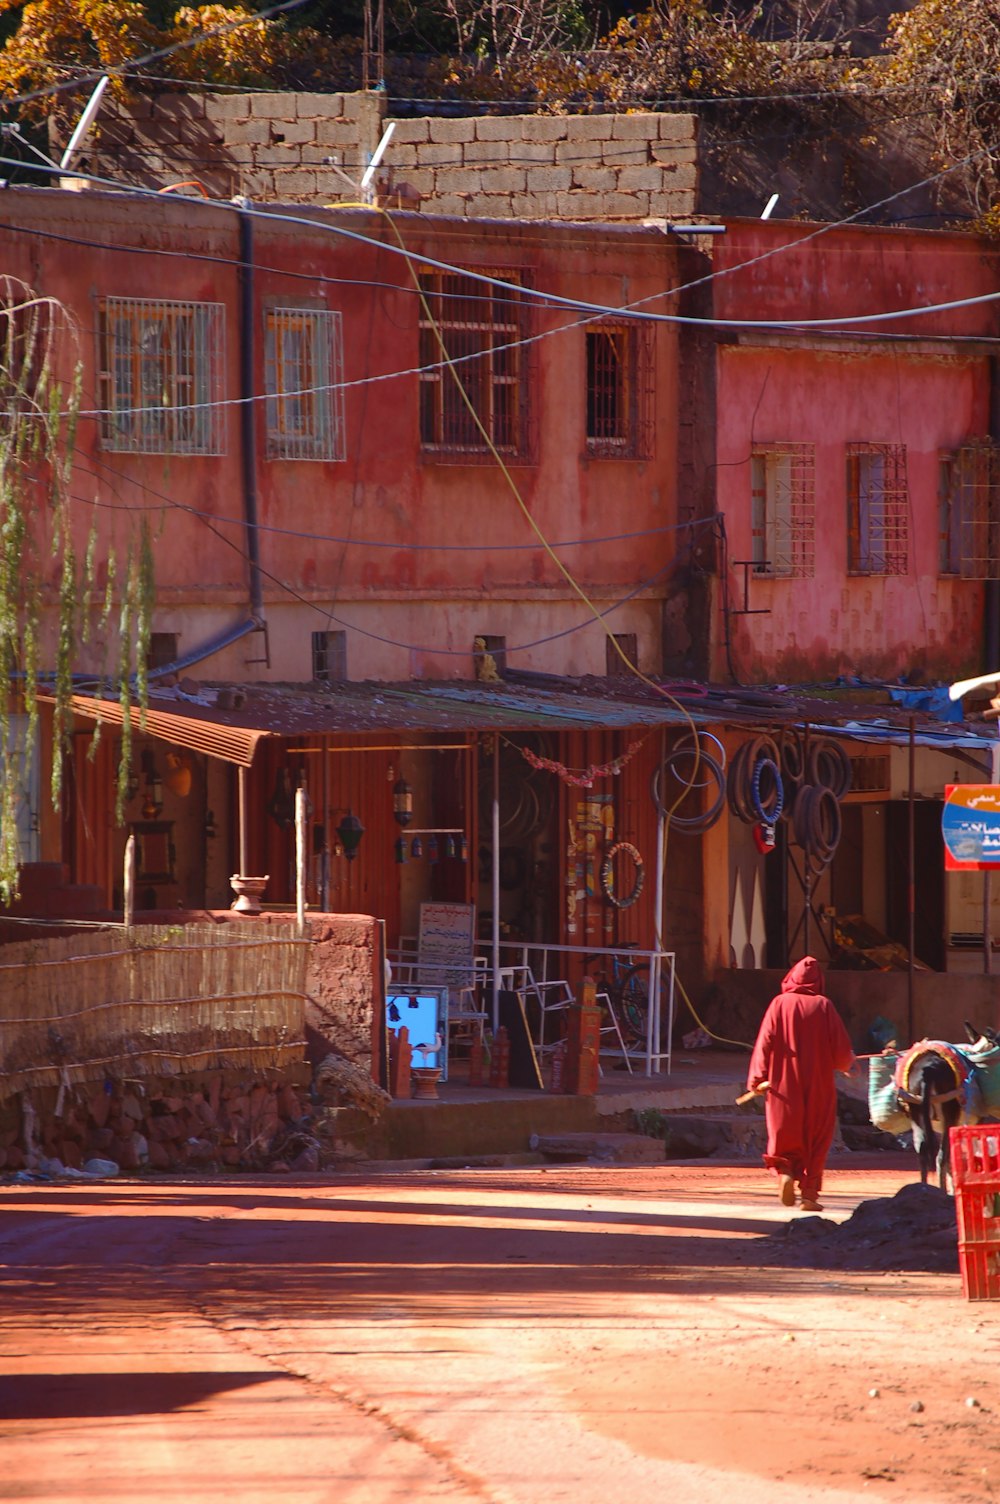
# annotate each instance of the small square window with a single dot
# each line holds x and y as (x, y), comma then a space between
(615, 666)
(782, 508)
(329, 656)
(162, 649)
(480, 402)
(161, 376)
(489, 654)
(877, 509)
(969, 511)
(619, 384)
(303, 372)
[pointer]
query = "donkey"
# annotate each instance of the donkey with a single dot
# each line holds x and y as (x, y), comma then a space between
(934, 1091)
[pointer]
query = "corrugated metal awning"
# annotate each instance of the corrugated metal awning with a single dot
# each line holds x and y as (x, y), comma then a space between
(227, 721)
(235, 744)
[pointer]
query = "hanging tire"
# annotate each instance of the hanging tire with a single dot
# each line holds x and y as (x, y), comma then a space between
(626, 900)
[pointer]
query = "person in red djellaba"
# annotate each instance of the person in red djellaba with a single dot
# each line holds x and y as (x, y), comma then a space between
(801, 1043)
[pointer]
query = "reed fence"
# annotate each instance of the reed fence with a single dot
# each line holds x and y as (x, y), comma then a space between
(165, 1001)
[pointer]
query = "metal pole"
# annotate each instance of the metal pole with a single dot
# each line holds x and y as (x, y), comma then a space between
(911, 888)
(987, 936)
(300, 861)
(495, 874)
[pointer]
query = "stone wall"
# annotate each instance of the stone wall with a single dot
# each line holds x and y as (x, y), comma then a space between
(297, 148)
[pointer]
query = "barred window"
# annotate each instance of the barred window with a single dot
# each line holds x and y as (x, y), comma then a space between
(482, 399)
(329, 656)
(303, 374)
(877, 509)
(161, 378)
(783, 510)
(969, 501)
(619, 388)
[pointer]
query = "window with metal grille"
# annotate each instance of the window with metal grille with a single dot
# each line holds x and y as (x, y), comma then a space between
(303, 374)
(482, 398)
(619, 389)
(783, 510)
(329, 656)
(969, 502)
(162, 649)
(877, 509)
(161, 370)
(615, 666)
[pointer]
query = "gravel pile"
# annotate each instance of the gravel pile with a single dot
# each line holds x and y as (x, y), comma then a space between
(914, 1231)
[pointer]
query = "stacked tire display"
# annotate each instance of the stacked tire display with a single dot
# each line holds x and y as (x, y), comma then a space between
(768, 782)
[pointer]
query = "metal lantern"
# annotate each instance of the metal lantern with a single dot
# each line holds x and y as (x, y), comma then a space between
(449, 846)
(350, 830)
(416, 847)
(463, 849)
(402, 802)
(400, 848)
(433, 851)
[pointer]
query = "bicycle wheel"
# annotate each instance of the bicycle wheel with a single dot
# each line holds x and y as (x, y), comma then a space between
(635, 1001)
(633, 1005)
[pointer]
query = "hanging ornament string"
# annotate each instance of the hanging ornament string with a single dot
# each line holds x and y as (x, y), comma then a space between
(581, 778)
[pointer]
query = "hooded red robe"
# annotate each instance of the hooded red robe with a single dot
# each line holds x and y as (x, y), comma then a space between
(801, 1042)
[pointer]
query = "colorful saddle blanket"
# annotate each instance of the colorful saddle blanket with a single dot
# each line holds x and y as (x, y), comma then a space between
(976, 1073)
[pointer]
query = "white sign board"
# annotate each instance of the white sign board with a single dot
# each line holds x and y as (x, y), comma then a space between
(446, 943)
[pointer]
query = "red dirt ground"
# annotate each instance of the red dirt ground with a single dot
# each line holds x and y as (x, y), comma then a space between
(508, 1335)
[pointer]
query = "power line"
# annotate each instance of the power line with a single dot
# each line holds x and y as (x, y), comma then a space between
(545, 300)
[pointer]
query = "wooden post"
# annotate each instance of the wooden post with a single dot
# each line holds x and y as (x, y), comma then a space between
(300, 861)
(128, 885)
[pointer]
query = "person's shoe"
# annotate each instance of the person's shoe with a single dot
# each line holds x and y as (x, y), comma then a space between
(786, 1190)
(808, 1205)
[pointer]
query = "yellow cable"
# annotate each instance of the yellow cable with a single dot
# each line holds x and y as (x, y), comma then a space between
(569, 578)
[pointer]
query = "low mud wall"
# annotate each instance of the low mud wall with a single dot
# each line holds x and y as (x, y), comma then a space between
(735, 1002)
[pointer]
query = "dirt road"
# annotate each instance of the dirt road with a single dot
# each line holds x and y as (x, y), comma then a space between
(507, 1336)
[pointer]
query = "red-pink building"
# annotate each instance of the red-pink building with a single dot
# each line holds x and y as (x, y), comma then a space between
(851, 468)
(395, 469)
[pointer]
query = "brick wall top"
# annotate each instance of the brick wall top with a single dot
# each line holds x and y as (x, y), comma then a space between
(294, 148)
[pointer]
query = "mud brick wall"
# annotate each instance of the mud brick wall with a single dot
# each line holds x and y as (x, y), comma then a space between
(287, 147)
(577, 167)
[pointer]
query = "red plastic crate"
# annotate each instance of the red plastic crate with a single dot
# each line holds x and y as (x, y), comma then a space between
(975, 1168)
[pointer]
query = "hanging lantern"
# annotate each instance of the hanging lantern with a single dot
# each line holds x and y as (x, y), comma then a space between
(281, 805)
(350, 830)
(416, 847)
(432, 849)
(179, 776)
(463, 849)
(449, 846)
(401, 850)
(153, 802)
(402, 802)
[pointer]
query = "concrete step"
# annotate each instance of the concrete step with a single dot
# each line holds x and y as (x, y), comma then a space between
(599, 1148)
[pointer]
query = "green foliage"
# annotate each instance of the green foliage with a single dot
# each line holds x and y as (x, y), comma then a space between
(59, 38)
(942, 64)
(46, 592)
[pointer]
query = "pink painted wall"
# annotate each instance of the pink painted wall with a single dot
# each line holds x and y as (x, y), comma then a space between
(929, 390)
(81, 246)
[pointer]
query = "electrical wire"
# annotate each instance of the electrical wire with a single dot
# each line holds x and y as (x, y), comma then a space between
(210, 523)
(633, 311)
(163, 500)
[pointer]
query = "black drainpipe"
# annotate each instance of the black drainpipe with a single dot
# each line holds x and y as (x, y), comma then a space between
(248, 426)
(991, 622)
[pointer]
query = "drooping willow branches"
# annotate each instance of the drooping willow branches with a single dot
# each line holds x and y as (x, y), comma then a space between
(53, 619)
